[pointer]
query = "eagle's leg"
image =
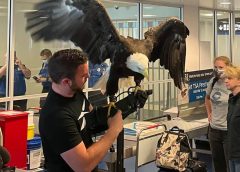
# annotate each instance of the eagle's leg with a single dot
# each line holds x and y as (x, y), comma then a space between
(112, 88)
(138, 86)
(112, 101)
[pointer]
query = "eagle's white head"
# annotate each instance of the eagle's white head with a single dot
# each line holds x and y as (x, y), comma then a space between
(136, 62)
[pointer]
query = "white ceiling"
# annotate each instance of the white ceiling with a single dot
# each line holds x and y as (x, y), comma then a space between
(211, 4)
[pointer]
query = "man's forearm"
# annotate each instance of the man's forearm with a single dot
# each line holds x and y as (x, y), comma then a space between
(25, 70)
(99, 149)
(3, 70)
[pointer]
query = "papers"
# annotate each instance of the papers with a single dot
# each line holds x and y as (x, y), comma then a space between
(141, 128)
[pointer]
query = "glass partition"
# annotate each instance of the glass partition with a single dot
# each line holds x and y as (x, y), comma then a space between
(164, 91)
(31, 57)
(3, 50)
(223, 36)
(236, 40)
(3, 28)
(125, 16)
(206, 38)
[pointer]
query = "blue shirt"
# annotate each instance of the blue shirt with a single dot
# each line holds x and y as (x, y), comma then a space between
(19, 83)
(44, 73)
(95, 72)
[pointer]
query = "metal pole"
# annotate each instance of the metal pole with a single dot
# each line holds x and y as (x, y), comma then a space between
(120, 152)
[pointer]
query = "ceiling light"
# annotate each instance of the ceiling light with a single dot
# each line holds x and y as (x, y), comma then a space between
(147, 7)
(225, 3)
(148, 15)
(27, 11)
(224, 22)
(210, 14)
(207, 14)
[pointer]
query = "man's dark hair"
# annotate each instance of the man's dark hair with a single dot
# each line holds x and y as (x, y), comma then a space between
(46, 52)
(64, 63)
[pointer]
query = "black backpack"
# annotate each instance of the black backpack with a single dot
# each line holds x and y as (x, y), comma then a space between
(215, 79)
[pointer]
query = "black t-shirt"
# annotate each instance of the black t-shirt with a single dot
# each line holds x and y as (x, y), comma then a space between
(233, 121)
(62, 127)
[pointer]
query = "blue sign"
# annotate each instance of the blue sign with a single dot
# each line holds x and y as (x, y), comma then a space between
(197, 84)
(197, 90)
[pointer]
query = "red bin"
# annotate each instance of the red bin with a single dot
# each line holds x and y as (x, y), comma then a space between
(14, 131)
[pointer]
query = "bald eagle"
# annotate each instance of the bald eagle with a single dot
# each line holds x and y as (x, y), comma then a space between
(87, 24)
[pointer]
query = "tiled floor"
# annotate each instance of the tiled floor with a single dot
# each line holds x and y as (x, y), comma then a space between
(129, 164)
(205, 157)
(208, 160)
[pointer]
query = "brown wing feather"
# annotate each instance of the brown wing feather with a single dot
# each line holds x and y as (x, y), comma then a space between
(169, 45)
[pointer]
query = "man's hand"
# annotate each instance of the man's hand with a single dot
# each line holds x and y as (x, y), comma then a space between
(41, 79)
(38, 80)
(18, 62)
(3, 70)
(25, 70)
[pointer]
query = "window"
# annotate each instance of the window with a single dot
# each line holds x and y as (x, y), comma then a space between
(223, 34)
(236, 40)
(125, 16)
(125, 19)
(164, 95)
(3, 48)
(206, 38)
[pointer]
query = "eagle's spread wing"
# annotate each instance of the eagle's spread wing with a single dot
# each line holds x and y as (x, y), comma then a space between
(87, 24)
(169, 45)
(84, 22)
(53, 19)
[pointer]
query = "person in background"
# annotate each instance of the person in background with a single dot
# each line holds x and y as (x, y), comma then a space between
(232, 81)
(95, 72)
(216, 102)
(96, 97)
(21, 72)
(43, 78)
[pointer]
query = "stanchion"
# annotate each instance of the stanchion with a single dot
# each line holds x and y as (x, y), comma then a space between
(120, 152)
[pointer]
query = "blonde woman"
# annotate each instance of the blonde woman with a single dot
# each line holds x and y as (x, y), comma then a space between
(216, 102)
(232, 81)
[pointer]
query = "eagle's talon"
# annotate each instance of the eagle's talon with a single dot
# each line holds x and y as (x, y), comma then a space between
(110, 105)
(137, 88)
